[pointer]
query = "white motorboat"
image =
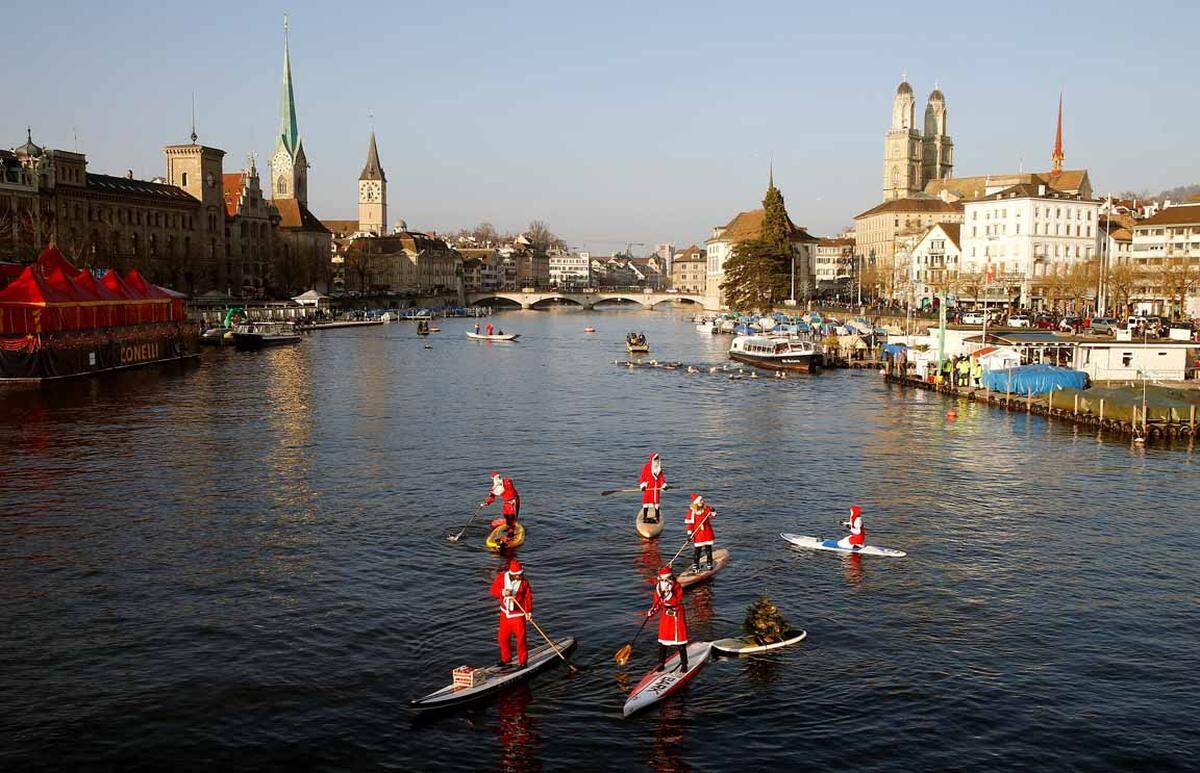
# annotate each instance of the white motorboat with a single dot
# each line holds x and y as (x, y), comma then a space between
(259, 335)
(494, 337)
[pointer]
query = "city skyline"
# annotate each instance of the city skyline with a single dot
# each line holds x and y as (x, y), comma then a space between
(602, 124)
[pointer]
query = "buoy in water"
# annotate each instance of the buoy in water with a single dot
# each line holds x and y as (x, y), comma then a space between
(589, 330)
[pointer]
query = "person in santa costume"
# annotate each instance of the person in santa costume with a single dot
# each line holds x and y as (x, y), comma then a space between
(652, 483)
(698, 521)
(516, 604)
(503, 487)
(672, 620)
(858, 535)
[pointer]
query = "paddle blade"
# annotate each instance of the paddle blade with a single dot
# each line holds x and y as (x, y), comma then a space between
(622, 656)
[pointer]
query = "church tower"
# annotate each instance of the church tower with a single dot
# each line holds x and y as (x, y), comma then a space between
(936, 146)
(372, 194)
(902, 161)
(288, 165)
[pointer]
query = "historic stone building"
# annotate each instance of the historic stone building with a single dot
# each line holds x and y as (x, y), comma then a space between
(303, 259)
(372, 195)
(879, 231)
(688, 271)
(403, 262)
(911, 158)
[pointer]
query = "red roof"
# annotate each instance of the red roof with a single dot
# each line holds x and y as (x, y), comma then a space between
(64, 284)
(113, 281)
(87, 281)
(234, 184)
(136, 280)
(50, 259)
(31, 290)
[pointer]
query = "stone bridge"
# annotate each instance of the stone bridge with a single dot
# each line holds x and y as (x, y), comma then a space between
(589, 300)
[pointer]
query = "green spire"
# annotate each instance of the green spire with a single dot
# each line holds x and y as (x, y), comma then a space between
(289, 132)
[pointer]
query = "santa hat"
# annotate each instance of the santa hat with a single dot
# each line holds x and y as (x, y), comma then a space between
(495, 475)
(514, 567)
(665, 572)
(855, 511)
(653, 457)
(697, 500)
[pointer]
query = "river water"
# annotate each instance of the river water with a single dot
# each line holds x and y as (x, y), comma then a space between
(244, 564)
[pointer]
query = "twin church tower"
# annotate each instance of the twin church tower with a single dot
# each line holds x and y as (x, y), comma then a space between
(912, 158)
(289, 166)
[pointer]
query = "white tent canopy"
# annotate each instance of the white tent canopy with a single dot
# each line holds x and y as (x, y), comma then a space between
(310, 298)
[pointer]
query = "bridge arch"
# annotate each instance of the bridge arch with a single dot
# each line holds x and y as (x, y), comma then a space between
(553, 298)
(496, 301)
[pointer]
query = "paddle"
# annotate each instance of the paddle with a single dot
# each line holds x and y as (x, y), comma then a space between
(612, 491)
(457, 537)
(553, 646)
(622, 656)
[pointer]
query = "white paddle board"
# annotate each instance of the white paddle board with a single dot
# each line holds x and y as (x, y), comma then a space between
(816, 543)
(748, 645)
(657, 685)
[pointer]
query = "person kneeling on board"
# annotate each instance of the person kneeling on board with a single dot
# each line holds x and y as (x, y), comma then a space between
(516, 604)
(858, 535)
(672, 620)
(652, 482)
(699, 528)
(505, 489)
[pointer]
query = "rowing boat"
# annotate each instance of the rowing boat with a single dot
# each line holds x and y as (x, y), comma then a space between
(493, 337)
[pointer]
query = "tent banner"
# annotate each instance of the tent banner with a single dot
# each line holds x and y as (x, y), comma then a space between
(75, 353)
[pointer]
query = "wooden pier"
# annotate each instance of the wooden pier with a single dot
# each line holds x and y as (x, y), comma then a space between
(1153, 430)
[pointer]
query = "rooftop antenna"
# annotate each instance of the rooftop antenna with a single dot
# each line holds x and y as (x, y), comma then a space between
(194, 137)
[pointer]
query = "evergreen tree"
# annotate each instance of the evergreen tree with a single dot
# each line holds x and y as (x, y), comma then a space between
(775, 226)
(754, 278)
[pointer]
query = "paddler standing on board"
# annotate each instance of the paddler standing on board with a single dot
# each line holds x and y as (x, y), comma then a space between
(858, 535)
(511, 509)
(516, 604)
(490, 328)
(652, 483)
(672, 619)
(699, 528)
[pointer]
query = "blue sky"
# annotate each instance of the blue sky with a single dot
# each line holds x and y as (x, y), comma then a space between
(614, 122)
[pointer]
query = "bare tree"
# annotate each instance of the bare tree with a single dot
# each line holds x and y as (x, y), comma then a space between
(1122, 279)
(1178, 278)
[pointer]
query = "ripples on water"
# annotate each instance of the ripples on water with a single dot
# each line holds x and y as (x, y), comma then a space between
(244, 564)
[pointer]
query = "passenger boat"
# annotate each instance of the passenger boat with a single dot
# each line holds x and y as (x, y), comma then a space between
(58, 321)
(259, 335)
(776, 353)
(217, 336)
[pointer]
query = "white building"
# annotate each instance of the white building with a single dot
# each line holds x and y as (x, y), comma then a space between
(570, 269)
(1031, 232)
(1166, 249)
(833, 262)
(747, 226)
(934, 261)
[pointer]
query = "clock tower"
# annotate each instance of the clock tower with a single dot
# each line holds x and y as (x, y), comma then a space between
(372, 194)
(288, 164)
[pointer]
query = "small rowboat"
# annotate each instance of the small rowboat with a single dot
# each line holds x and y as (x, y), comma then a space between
(498, 538)
(648, 529)
(485, 337)
(748, 645)
(495, 678)
(720, 559)
(657, 685)
(638, 348)
(816, 543)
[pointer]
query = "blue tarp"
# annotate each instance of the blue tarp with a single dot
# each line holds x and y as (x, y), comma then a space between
(1038, 379)
(894, 349)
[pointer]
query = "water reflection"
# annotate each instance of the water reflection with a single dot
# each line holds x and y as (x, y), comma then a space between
(518, 733)
(852, 569)
(665, 753)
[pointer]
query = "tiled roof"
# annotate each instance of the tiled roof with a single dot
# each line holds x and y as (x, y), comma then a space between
(294, 215)
(143, 188)
(341, 227)
(233, 185)
(748, 225)
(835, 242)
(692, 253)
(1031, 190)
(920, 204)
(1070, 180)
(1179, 214)
(953, 232)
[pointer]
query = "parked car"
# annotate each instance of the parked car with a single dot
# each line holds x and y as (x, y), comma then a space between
(973, 317)
(1104, 325)
(1019, 320)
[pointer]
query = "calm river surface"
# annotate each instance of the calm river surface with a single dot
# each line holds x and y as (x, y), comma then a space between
(244, 564)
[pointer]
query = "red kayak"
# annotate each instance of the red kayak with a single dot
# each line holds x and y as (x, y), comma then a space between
(657, 685)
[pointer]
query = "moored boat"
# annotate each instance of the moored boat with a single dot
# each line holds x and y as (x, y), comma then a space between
(775, 353)
(260, 335)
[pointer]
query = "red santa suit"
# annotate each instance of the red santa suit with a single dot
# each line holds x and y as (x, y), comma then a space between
(652, 482)
(858, 535)
(698, 521)
(515, 595)
(507, 491)
(668, 603)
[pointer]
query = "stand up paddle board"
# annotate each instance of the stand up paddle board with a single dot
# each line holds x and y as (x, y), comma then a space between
(816, 543)
(657, 685)
(720, 559)
(748, 645)
(494, 678)
(647, 529)
(499, 537)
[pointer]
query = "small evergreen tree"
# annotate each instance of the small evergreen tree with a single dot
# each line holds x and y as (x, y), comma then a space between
(764, 621)
(753, 279)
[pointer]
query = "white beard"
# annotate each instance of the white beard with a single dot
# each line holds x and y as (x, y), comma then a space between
(656, 467)
(497, 487)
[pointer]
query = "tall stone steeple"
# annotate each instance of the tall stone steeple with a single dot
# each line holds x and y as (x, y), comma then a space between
(289, 167)
(372, 194)
(936, 146)
(902, 161)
